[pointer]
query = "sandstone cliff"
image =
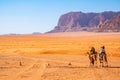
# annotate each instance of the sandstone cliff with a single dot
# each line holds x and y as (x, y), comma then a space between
(112, 25)
(79, 21)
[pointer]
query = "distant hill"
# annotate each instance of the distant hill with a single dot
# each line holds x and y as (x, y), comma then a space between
(36, 33)
(79, 21)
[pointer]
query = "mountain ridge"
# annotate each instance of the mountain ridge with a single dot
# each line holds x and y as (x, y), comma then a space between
(79, 21)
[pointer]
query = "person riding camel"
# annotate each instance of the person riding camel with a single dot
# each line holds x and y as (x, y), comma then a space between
(103, 56)
(92, 56)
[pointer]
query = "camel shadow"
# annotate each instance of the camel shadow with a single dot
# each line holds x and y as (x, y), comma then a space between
(112, 67)
(90, 67)
(73, 67)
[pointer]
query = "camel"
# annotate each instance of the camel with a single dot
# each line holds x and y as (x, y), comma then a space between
(92, 56)
(103, 57)
(103, 60)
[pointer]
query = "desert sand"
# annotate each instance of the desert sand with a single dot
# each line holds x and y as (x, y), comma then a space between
(58, 56)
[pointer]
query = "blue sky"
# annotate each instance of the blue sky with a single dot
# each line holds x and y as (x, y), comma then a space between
(27, 16)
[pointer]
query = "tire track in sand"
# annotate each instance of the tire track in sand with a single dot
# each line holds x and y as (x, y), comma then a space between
(32, 72)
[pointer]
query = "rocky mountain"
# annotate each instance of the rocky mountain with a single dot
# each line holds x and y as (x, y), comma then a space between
(112, 25)
(79, 21)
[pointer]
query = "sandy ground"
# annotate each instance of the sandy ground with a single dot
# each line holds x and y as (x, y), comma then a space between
(59, 56)
(56, 67)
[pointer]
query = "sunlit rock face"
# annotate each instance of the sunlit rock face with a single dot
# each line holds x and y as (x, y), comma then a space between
(79, 21)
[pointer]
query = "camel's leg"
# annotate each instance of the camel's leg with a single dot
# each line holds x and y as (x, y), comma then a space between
(105, 59)
(90, 64)
(101, 63)
(96, 63)
(96, 60)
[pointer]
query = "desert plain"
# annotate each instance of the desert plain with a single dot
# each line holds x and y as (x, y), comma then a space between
(58, 56)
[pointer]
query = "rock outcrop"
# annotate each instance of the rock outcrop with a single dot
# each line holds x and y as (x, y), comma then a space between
(112, 25)
(79, 21)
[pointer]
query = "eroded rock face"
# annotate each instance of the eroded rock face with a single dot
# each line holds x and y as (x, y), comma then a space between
(79, 21)
(112, 25)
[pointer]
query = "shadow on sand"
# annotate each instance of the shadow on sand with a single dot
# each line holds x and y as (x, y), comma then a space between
(112, 67)
(73, 67)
